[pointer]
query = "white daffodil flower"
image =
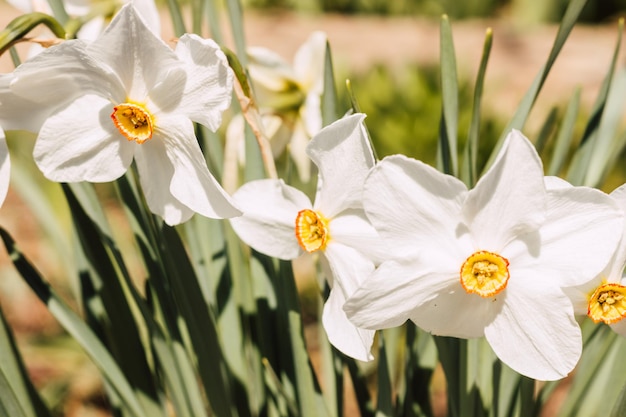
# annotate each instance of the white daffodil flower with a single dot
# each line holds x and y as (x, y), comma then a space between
(292, 92)
(603, 298)
(280, 221)
(126, 96)
(490, 261)
(5, 167)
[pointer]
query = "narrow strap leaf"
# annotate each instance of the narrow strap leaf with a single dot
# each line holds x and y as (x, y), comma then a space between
(74, 326)
(518, 121)
(447, 154)
(565, 135)
(470, 172)
(21, 25)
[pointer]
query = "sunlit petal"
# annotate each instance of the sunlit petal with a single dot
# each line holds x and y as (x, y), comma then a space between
(510, 199)
(77, 145)
(535, 333)
(155, 174)
(344, 335)
(209, 85)
(270, 208)
(344, 157)
(191, 182)
(395, 291)
(413, 206)
(578, 239)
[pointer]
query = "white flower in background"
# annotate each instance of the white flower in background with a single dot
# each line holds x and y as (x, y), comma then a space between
(5, 167)
(280, 221)
(490, 261)
(96, 25)
(292, 92)
(126, 96)
(603, 299)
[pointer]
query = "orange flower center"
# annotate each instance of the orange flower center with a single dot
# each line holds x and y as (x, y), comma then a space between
(133, 121)
(311, 230)
(485, 273)
(607, 303)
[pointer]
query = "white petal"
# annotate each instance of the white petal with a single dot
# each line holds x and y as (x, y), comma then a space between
(553, 183)
(5, 167)
(535, 333)
(18, 113)
(395, 291)
(155, 173)
(344, 335)
(270, 208)
(64, 72)
(209, 84)
(352, 228)
(191, 182)
(349, 267)
(454, 312)
(343, 155)
(91, 29)
(577, 240)
(308, 63)
(298, 142)
(269, 70)
(81, 143)
(615, 268)
(149, 12)
(510, 198)
(134, 53)
(311, 114)
(413, 206)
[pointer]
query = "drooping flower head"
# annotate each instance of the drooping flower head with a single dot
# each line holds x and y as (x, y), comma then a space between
(490, 261)
(126, 96)
(290, 97)
(281, 221)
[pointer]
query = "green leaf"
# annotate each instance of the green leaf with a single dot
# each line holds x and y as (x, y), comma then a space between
(574, 8)
(75, 327)
(235, 14)
(58, 10)
(212, 8)
(565, 135)
(419, 365)
(547, 128)
(177, 17)
(361, 391)
(619, 408)
(470, 170)
(384, 406)
(23, 24)
(172, 355)
(447, 154)
(200, 323)
(18, 397)
(301, 373)
(105, 287)
(609, 122)
(329, 95)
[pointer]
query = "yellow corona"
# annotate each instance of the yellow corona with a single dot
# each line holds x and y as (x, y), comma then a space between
(485, 273)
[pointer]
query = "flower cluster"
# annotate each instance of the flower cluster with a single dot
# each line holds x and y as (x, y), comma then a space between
(406, 242)
(513, 259)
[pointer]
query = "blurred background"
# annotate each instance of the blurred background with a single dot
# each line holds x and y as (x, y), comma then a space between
(389, 50)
